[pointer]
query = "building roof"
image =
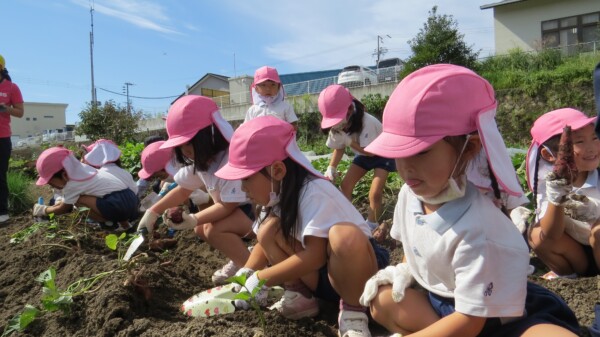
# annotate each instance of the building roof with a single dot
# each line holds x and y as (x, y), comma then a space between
(500, 3)
(308, 82)
(221, 77)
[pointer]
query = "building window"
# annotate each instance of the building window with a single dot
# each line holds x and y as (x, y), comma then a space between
(48, 116)
(26, 118)
(35, 118)
(572, 34)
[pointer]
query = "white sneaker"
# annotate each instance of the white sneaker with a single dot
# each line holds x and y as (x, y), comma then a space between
(294, 305)
(221, 275)
(4, 218)
(353, 324)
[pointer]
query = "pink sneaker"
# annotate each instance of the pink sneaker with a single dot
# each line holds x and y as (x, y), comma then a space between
(294, 305)
(353, 324)
(221, 275)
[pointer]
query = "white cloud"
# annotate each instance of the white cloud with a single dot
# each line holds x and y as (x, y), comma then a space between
(143, 14)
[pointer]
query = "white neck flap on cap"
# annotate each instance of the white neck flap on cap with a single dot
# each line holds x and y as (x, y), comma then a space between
(103, 153)
(77, 170)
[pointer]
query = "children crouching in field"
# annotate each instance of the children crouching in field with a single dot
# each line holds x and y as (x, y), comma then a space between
(107, 197)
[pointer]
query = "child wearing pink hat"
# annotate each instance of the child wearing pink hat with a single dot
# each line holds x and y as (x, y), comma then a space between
(200, 138)
(350, 125)
(105, 155)
(458, 246)
(318, 245)
(107, 197)
(268, 97)
(565, 235)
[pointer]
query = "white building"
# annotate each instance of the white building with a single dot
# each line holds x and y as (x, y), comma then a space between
(38, 119)
(530, 25)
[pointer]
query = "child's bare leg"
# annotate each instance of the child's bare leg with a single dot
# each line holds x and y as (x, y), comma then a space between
(226, 236)
(412, 314)
(90, 202)
(354, 174)
(351, 261)
(376, 195)
(595, 243)
(564, 255)
(547, 330)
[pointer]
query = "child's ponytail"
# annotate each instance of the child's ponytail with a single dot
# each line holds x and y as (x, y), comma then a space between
(293, 182)
(496, 189)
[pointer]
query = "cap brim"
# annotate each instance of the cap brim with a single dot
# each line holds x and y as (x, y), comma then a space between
(42, 181)
(389, 145)
(581, 123)
(175, 141)
(143, 174)
(229, 172)
(330, 122)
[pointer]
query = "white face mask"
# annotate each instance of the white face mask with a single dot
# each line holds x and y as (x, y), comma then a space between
(268, 99)
(273, 197)
(453, 189)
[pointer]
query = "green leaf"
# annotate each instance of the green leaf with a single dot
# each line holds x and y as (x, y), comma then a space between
(47, 278)
(27, 316)
(237, 279)
(111, 241)
(242, 295)
(123, 235)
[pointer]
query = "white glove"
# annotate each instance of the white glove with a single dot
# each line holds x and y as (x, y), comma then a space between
(402, 280)
(148, 221)
(245, 271)
(189, 222)
(382, 277)
(519, 216)
(557, 190)
(39, 210)
(250, 286)
(582, 208)
(331, 173)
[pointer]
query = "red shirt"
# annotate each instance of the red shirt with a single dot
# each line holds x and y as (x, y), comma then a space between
(9, 94)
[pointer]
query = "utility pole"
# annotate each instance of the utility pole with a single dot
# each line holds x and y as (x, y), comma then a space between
(94, 104)
(380, 51)
(126, 91)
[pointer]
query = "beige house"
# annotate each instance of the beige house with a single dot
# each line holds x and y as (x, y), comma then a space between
(38, 119)
(572, 25)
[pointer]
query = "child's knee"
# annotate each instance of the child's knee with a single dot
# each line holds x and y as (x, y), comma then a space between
(348, 238)
(268, 229)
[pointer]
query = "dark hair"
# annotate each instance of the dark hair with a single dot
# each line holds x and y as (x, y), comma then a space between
(4, 73)
(207, 143)
(58, 175)
(289, 198)
(152, 139)
(355, 121)
(551, 144)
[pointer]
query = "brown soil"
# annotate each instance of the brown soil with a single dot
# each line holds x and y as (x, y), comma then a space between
(145, 300)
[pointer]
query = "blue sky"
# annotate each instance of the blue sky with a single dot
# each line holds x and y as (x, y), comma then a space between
(162, 46)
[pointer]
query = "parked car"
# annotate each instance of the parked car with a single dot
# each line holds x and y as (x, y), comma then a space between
(388, 69)
(357, 76)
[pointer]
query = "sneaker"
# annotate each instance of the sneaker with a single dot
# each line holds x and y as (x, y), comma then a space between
(552, 276)
(353, 324)
(294, 305)
(4, 218)
(221, 275)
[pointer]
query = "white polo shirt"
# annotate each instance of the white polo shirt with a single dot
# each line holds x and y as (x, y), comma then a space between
(371, 129)
(229, 191)
(467, 250)
(322, 205)
(121, 174)
(282, 110)
(99, 185)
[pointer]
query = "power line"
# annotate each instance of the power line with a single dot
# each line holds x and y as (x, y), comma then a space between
(140, 97)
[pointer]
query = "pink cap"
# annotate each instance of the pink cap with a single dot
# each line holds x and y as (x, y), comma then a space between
(333, 104)
(155, 159)
(190, 114)
(260, 142)
(266, 73)
(429, 104)
(50, 162)
(548, 125)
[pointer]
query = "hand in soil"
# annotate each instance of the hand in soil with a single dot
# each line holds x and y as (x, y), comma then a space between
(381, 232)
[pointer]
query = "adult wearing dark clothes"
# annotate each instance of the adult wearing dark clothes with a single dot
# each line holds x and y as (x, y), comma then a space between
(11, 104)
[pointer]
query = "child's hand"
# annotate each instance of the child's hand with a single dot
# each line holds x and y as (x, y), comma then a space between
(189, 222)
(261, 296)
(557, 189)
(382, 277)
(331, 173)
(39, 210)
(580, 207)
(148, 221)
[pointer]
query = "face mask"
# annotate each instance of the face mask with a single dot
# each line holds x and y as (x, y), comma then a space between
(273, 197)
(453, 189)
(340, 126)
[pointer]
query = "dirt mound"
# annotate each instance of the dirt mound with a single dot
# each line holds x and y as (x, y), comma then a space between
(144, 298)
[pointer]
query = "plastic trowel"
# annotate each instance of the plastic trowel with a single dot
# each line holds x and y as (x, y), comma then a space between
(135, 244)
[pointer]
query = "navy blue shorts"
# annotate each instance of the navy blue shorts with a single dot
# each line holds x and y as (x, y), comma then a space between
(373, 162)
(325, 290)
(119, 206)
(541, 306)
(248, 210)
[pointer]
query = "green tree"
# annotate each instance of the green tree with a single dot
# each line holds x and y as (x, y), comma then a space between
(439, 41)
(374, 104)
(110, 121)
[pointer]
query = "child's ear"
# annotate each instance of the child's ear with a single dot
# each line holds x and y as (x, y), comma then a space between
(64, 176)
(547, 155)
(473, 146)
(278, 170)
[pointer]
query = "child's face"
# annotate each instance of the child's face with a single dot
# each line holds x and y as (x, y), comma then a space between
(586, 148)
(58, 182)
(257, 188)
(427, 172)
(162, 175)
(267, 88)
(187, 150)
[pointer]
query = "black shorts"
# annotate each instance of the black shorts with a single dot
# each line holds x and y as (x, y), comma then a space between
(374, 162)
(119, 206)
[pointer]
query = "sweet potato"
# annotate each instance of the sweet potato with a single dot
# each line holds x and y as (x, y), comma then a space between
(175, 214)
(564, 166)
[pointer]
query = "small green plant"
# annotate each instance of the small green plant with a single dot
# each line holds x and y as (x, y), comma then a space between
(20, 198)
(118, 243)
(130, 157)
(250, 297)
(19, 322)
